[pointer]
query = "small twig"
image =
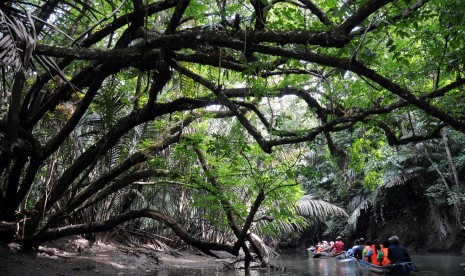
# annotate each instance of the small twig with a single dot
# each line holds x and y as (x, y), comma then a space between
(354, 55)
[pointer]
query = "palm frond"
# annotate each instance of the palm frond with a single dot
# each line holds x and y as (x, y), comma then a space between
(357, 200)
(9, 55)
(309, 209)
(361, 202)
(16, 42)
(267, 251)
(404, 176)
(365, 204)
(315, 208)
(279, 227)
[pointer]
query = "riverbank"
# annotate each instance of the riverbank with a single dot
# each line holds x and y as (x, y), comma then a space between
(79, 257)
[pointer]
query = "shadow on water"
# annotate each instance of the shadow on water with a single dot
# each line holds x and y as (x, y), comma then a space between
(299, 264)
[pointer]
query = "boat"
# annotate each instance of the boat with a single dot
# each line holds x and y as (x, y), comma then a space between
(398, 268)
(340, 255)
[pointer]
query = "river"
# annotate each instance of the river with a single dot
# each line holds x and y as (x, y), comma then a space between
(299, 264)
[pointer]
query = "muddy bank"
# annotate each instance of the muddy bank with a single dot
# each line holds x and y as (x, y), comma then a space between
(79, 257)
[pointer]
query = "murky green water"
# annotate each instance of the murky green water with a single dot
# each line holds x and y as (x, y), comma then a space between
(299, 264)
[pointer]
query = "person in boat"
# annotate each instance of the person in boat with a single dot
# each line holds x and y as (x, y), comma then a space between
(350, 252)
(379, 255)
(320, 247)
(367, 252)
(396, 252)
(325, 246)
(338, 246)
(385, 249)
(374, 255)
(358, 249)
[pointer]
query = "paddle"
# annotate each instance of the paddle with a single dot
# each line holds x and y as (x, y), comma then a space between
(317, 255)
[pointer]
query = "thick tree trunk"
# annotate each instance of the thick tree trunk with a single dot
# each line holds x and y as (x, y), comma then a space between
(7, 231)
(56, 233)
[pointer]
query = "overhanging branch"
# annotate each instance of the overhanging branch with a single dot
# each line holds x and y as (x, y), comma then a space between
(109, 224)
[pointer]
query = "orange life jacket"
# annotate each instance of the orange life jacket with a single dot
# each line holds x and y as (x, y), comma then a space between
(386, 261)
(374, 256)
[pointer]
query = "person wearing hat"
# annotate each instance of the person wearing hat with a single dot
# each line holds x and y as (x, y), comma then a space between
(397, 253)
(338, 246)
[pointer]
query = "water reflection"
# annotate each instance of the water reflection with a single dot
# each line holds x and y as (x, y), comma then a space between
(328, 267)
(300, 264)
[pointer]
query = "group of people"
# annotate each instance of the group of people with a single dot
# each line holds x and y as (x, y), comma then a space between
(388, 252)
(331, 247)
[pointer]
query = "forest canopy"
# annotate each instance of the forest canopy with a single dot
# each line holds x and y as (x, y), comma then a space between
(203, 115)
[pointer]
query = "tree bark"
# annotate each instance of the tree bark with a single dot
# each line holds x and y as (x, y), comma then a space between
(56, 233)
(450, 161)
(240, 232)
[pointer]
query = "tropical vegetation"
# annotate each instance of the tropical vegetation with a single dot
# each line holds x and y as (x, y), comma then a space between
(231, 124)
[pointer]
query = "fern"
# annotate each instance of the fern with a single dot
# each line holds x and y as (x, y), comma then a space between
(186, 85)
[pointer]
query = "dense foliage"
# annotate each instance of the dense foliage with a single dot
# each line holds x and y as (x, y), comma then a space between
(215, 118)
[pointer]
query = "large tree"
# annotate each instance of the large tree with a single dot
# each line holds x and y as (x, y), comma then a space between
(288, 72)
